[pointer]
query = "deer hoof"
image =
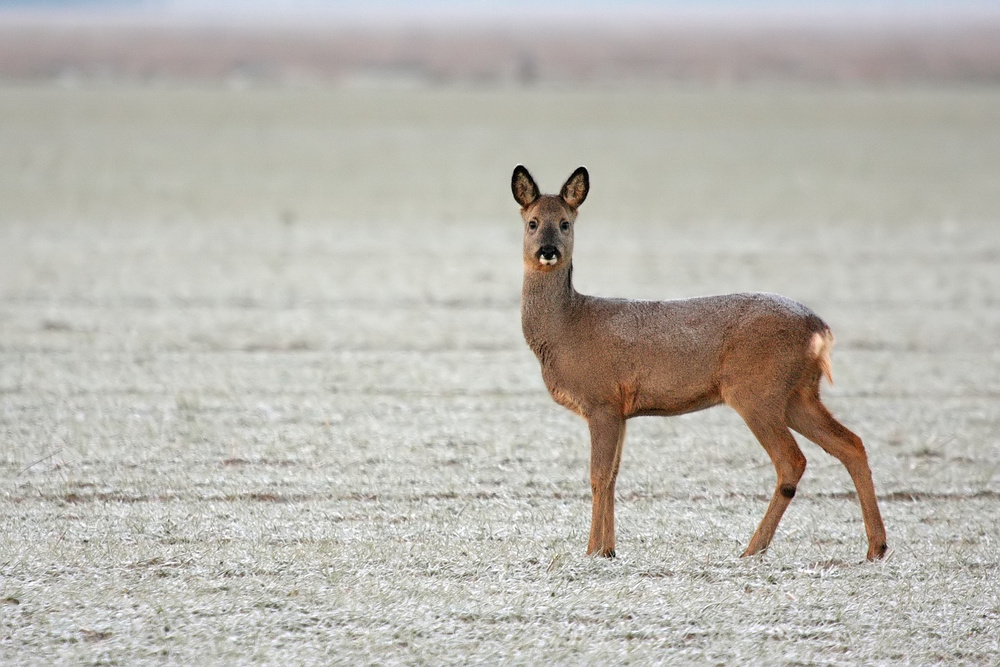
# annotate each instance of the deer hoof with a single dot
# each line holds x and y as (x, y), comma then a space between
(878, 552)
(602, 553)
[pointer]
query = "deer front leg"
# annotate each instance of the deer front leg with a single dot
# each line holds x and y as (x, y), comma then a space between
(607, 433)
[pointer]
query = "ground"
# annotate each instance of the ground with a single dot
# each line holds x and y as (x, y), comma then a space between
(264, 396)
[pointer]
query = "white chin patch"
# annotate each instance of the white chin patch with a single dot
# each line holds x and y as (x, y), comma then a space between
(547, 262)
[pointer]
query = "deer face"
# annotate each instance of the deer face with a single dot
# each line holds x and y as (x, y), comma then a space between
(548, 219)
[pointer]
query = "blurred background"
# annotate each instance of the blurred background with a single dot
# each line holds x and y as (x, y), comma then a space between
(502, 43)
(686, 110)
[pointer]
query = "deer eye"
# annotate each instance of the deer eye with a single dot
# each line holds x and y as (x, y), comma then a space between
(532, 225)
(564, 225)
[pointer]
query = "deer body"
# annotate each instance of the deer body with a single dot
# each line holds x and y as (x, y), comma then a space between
(611, 359)
(657, 357)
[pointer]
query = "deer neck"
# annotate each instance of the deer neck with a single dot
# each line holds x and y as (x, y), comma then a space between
(548, 301)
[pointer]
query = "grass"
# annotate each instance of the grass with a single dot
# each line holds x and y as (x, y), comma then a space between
(263, 395)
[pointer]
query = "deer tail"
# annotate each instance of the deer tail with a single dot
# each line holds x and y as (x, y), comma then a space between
(820, 346)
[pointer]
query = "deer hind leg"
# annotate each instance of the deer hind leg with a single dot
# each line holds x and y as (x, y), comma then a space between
(807, 415)
(789, 464)
(607, 434)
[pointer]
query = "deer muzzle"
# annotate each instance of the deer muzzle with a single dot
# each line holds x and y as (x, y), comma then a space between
(548, 255)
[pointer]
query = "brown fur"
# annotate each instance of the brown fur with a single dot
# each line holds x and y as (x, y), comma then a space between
(611, 359)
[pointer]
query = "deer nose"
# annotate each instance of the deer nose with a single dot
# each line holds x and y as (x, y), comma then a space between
(548, 252)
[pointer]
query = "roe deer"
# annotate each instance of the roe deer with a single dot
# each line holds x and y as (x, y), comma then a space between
(611, 359)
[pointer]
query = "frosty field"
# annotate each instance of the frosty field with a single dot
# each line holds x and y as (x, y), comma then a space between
(264, 396)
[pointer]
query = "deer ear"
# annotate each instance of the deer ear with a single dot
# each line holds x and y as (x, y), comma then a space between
(523, 186)
(575, 190)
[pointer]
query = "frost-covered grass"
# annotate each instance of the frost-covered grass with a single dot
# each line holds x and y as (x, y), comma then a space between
(263, 396)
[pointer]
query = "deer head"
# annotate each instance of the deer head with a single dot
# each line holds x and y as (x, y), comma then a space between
(548, 219)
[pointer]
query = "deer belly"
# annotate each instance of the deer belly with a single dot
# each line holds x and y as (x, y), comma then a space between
(666, 400)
